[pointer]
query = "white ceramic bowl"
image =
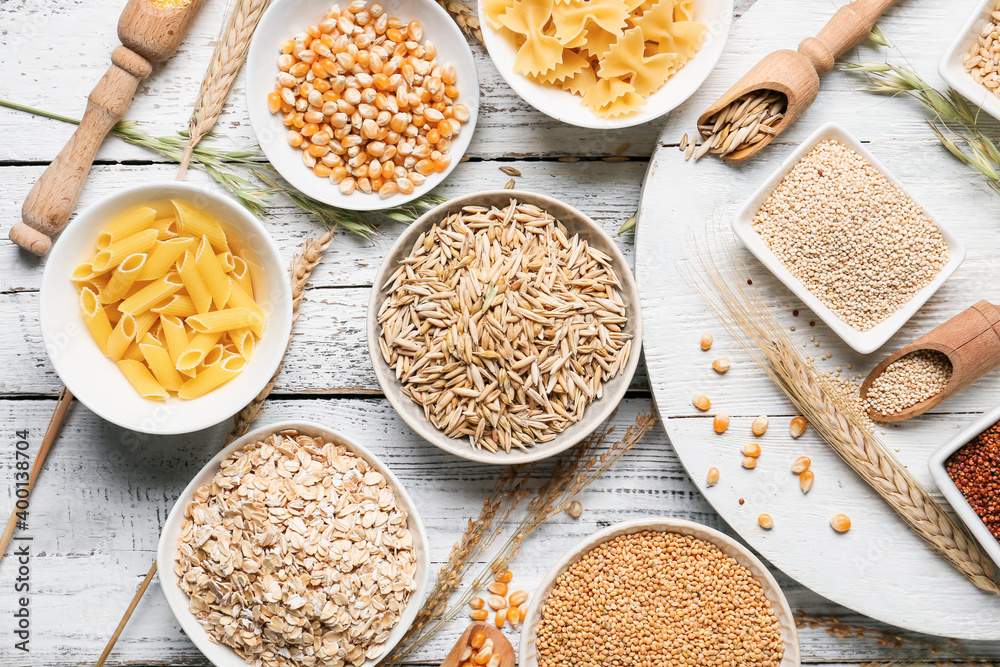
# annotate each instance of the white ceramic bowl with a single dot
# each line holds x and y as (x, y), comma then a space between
(862, 341)
(565, 107)
(95, 380)
(953, 72)
(955, 498)
(595, 414)
(729, 546)
(286, 18)
(166, 552)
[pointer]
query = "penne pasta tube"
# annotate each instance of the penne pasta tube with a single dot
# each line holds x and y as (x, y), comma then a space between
(96, 319)
(83, 272)
(142, 380)
(113, 313)
(238, 298)
(196, 351)
(144, 322)
(128, 224)
(211, 272)
(243, 341)
(174, 335)
(223, 320)
(212, 378)
(194, 283)
(214, 355)
(242, 274)
(180, 305)
(162, 257)
(226, 260)
(167, 228)
(115, 254)
(160, 365)
(123, 278)
(133, 352)
(150, 295)
(197, 224)
(121, 337)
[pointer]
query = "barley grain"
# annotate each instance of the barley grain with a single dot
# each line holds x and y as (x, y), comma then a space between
(909, 380)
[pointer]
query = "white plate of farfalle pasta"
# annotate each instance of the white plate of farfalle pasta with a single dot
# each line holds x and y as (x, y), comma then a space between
(165, 308)
(605, 63)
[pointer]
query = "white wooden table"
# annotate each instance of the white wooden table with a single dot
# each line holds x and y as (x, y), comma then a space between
(96, 513)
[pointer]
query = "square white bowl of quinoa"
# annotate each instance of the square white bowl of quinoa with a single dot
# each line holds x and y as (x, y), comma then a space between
(841, 232)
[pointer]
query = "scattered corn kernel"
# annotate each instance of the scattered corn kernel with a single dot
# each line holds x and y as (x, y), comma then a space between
(749, 462)
(501, 618)
(477, 603)
(840, 523)
(721, 365)
(575, 509)
(713, 476)
(479, 614)
(759, 425)
(797, 426)
(517, 598)
(702, 403)
(751, 449)
(806, 478)
(721, 422)
(497, 588)
(765, 521)
(800, 465)
(706, 340)
(505, 576)
(513, 617)
(496, 602)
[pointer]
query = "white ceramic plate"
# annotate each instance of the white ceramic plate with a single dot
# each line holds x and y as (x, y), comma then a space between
(862, 341)
(595, 414)
(726, 544)
(95, 380)
(953, 72)
(286, 18)
(565, 106)
(223, 656)
(951, 492)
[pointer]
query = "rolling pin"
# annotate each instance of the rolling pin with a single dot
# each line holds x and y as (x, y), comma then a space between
(150, 31)
(795, 74)
(970, 340)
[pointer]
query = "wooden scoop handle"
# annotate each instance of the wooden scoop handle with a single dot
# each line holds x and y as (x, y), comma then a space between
(53, 197)
(851, 24)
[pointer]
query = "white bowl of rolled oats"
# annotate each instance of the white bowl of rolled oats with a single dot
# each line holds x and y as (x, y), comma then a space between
(290, 533)
(969, 65)
(514, 342)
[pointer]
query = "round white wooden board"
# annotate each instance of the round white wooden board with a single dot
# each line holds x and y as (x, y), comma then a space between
(879, 568)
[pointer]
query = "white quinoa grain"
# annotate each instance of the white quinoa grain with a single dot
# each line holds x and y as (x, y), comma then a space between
(853, 238)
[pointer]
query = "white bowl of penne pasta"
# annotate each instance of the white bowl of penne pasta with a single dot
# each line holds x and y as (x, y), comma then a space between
(165, 308)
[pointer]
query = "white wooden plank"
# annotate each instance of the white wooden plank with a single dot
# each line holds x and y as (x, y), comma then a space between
(96, 514)
(879, 568)
(608, 192)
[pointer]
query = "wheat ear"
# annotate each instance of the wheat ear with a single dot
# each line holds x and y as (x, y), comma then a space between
(722, 281)
(465, 16)
(227, 60)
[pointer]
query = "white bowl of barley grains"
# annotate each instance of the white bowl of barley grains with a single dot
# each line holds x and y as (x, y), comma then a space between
(179, 601)
(750, 592)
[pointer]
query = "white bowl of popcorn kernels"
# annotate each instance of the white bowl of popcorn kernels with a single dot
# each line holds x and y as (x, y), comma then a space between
(286, 18)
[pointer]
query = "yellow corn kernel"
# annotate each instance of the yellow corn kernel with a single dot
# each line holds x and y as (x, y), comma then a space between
(494, 660)
(765, 521)
(713, 476)
(273, 102)
(497, 588)
(759, 425)
(505, 577)
(721, 365)
(749, 462)
(702, 403)
(496, 602)
(479, 614)
(706, 341)
(840, 523)
(513, 616)
(721, 422)
(478, 639)
(477, 603)
(806, 479)
(575, 509)
(517, 598)
(797, 426)
(751, 449)
(800, 465)
(501, 618)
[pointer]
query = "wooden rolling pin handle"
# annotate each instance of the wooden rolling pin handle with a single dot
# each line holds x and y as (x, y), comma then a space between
(53, 197)
(851, 24)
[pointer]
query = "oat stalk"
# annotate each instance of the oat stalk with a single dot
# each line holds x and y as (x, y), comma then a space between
(955, 122)
(572, 474)
(227, 60)
(721, 279)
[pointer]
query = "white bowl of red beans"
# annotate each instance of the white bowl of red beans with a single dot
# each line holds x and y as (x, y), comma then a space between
(967, 471)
